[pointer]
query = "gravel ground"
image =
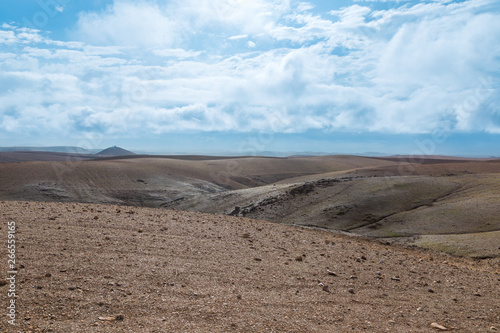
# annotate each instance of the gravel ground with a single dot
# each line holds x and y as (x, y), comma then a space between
(107, 268)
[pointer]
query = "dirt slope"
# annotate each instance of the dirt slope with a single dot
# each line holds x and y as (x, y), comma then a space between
(171, 271)
(442, 200)
(155, 181)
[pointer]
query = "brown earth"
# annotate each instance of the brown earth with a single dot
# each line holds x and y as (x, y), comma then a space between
(155, 181)
(443, 203)
(27, 156)
(156, 270)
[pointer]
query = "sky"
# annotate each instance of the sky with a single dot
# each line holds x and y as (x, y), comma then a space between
(252, 76)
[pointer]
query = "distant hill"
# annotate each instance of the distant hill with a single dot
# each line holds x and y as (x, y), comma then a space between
(115, 151)
(55, 149)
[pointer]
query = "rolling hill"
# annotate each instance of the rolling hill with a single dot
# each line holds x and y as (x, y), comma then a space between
(421, 204)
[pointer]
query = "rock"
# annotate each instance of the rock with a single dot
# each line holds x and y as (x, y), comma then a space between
(96, 217)
(351, 290)
(395, 278)
(331, 273)
(438, 327)
(326, 288)
(299, 258)
(257, 259)
(48, 275)
(478, 294)
(113, 318)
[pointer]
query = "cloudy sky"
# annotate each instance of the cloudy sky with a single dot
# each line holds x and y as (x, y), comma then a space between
(247, 76)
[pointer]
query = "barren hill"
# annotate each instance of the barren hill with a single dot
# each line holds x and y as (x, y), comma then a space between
(106, 268)
(115, 151)
(448, 206)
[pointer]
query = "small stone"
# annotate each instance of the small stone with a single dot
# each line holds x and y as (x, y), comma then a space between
(478, 294)
(395, 278)
(3, 283)
(257, 259)
(420, 309)
(331, 273)
(238, 297)
(493, 328)
(140, 231)
(326, 288)
(438, 327)
(48, 275)
(430, 290)
(351, 290)
(299, 258)
(96, 217)
(113, 318)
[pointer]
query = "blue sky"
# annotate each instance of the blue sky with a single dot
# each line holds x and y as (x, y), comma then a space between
(240, 76)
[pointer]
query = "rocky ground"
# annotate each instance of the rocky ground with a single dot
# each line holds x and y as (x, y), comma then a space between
(108, 268)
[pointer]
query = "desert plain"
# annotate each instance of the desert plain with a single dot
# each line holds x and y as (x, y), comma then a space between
(252, 244)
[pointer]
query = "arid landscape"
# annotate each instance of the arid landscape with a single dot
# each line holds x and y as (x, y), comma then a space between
(253, 244)
(443, 203)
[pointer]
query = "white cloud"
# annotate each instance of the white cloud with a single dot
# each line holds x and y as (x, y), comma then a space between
(176, 53)
(406, 70)
(238, 37)
(126, 23)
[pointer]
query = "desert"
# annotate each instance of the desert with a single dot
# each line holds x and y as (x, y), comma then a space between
(254, 244)
(198, 166)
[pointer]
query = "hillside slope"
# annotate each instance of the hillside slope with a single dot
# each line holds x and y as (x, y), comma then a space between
(155, 181)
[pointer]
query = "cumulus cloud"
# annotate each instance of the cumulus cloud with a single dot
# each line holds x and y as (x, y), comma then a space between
(138, 67)
(127, 23)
